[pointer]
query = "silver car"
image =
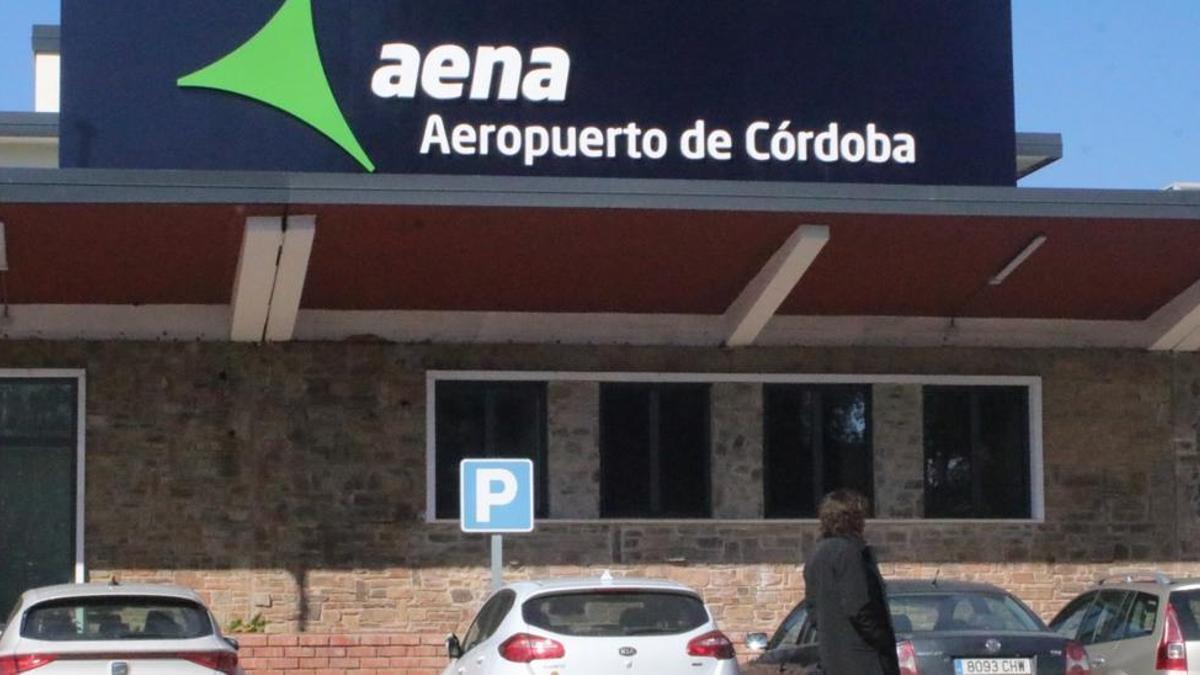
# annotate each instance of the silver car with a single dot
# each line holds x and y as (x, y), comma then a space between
(1137, 624)
(592, 626)
(106, 629)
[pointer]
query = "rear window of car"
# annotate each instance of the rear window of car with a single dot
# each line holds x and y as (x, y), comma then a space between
(1187, 608)
(961, 611)
(615, 613)
(116, 618)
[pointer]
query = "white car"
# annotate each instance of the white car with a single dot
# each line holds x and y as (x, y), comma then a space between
(593, 626)
(106, 629)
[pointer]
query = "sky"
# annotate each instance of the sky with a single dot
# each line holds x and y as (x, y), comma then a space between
(1119, 79)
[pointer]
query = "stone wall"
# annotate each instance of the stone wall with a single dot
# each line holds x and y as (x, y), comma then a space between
(898, 446)
(573, 449)
(289, 480)
(737, 458)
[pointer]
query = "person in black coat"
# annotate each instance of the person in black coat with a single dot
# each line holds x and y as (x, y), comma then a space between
(846, 594)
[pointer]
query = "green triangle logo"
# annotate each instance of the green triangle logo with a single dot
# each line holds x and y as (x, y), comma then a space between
(281, 67)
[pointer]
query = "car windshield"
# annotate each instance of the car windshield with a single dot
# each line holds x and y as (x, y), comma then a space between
(960, 611)
(116, 618)
(615, 613)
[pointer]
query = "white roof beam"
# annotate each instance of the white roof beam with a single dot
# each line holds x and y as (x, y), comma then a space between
(289, 279)
(255, 278)
(1176, 325)
(762, 297)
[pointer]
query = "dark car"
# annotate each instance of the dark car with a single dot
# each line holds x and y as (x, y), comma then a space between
(942, 628)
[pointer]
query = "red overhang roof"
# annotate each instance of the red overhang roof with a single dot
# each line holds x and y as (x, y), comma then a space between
(619, 260)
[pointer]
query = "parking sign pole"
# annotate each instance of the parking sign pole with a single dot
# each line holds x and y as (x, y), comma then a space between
(497, 561)
(495, 497)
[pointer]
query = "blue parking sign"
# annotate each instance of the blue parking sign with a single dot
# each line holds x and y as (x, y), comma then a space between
(496, 495)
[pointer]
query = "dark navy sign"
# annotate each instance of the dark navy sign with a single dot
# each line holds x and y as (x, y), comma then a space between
(899, 91)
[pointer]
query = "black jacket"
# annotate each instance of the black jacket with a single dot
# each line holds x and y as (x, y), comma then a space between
(846, 596)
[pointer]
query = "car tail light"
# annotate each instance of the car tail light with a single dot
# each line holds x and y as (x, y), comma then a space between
(1077, 659)
(713, 645)
(525, 648)
(1172, 650)
(906, 654)
(222, 662)
(11, 665)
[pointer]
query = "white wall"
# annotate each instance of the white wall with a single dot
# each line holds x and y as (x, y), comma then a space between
(28, 153)
(46, 68)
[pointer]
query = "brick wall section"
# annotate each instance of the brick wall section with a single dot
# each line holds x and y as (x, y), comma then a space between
(573, 430)
(341, 654)
(737, 431)
(1046, 588)
(899, 450)
(290, 480)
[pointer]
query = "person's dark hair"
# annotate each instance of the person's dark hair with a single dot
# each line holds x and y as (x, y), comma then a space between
(843, 513)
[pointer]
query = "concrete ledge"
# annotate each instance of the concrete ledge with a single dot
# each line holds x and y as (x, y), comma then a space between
(47, 39)
(65, 186)
(1036, 151)
(29, 125)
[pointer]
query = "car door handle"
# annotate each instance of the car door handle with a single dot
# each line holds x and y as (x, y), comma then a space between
(1098, 660)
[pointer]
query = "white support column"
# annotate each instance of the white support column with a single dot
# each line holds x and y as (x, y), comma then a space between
(289, 279)
(762, 297)
(1176, 325)
(255, 279)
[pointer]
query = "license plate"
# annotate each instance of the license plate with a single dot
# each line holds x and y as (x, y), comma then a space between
(993, 666)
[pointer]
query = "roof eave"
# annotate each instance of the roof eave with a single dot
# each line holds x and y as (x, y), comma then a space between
(74, 186)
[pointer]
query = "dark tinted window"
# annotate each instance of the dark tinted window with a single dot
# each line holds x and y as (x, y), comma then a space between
(788, 632)
(654, 451)
(1103, 620)
(116, 618)
(1187, 609)
(489, 419)
(962, 611)
(977, 452)
(1070, 618)
(616, 613)
(1141, 618)
(809, 635)
(817, 438)
(38, 457)
(490, 616)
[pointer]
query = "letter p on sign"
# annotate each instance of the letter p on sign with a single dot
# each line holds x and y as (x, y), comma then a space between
(496, 495)
(493, 487)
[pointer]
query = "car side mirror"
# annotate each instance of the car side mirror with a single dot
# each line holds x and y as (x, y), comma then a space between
(757, 642)
(233, 643)
(453, 647)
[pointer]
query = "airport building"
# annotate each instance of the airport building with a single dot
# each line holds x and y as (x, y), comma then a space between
(251, 327)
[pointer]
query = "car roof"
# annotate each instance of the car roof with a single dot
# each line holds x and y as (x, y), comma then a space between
(1149, 586)
(69, 591)
(908, 586)
(538, 586)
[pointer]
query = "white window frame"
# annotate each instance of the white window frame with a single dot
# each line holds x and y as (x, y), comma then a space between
(1032, 383)
(80, 377)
